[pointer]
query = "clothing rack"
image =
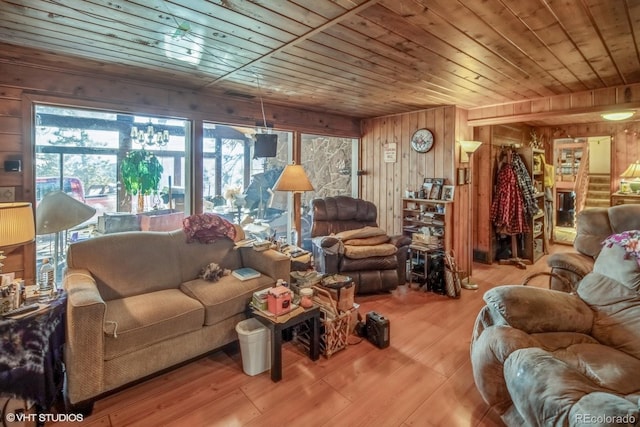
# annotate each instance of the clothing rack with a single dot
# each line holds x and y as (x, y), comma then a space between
(516, 261)
(508, 150)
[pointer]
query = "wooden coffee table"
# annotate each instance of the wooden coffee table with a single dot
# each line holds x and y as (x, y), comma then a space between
(276, 327)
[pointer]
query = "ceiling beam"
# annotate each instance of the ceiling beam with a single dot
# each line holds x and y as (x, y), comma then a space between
(587, 106)
(568, 116)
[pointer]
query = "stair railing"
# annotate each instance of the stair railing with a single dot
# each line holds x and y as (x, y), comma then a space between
(581, 185)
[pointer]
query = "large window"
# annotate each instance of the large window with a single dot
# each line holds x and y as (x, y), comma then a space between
(85, 148)
(88, 154)
(237, 181)
(81, 153)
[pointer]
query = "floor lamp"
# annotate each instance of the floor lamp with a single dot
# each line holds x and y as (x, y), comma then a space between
(56, 212)
(469, 147)
(16, 227)
(295, 180)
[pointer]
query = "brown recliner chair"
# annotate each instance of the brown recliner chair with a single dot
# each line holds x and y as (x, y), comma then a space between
(593, 225)
(347, 240)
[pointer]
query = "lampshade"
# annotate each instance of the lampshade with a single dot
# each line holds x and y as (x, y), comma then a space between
(293, 178)
(633, 171)
(57, 211)
(470, 147)
(16, 223)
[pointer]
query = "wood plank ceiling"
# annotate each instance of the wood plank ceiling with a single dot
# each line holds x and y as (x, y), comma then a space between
(361, 58)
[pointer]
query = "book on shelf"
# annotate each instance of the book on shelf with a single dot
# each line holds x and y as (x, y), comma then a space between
(245, 273)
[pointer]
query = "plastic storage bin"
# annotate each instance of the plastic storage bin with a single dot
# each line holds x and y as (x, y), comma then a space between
(255, 346)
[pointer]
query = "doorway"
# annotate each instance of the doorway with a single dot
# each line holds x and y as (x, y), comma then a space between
(582, 181)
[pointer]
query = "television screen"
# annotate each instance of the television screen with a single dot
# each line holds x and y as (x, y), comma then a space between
(266, 145)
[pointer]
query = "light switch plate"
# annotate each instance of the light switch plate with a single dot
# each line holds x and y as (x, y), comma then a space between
(7, 194)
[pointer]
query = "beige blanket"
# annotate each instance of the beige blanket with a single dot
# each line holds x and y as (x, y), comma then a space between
(359, 252)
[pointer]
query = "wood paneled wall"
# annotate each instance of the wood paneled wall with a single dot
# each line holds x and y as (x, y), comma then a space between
(20, 260)
(384, 183)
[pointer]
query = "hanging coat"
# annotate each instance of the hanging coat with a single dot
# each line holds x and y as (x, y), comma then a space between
(508, 208)
(526, 186)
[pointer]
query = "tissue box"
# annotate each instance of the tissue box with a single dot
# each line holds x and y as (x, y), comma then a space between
(279, 300)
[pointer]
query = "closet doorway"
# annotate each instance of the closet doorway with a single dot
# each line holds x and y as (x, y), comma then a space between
(582, 180)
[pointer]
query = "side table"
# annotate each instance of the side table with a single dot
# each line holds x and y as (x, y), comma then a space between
(426, 265)
(624, 199)
(276, 327)
(31, 354)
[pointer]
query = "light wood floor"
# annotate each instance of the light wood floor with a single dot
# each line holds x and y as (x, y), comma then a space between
(423, 379)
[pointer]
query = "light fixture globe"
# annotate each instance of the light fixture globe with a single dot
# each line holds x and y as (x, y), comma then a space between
(617, 115)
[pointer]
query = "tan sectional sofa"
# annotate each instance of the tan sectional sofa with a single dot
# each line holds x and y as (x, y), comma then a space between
(136, 305)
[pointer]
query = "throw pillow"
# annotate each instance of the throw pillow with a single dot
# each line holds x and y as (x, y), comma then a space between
(618, 259)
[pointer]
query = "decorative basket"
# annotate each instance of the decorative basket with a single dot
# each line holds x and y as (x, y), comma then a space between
(342, 290)
(334, 326)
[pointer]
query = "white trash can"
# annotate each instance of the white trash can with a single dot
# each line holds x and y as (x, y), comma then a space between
(255, 346)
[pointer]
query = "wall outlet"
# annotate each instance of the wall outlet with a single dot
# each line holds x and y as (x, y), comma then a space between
(7, 194)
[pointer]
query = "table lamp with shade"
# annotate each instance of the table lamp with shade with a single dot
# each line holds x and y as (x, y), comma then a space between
(469, 147)
(295, 180)
(631, 177)
(57, 212)
(16, 227)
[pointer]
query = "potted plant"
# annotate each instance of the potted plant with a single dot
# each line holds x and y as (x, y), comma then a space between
(141, 172)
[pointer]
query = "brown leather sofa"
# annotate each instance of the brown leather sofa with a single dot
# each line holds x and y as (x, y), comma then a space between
(347, 240)
(593, 225)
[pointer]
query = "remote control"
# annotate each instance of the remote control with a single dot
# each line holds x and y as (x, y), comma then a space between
(21, 310)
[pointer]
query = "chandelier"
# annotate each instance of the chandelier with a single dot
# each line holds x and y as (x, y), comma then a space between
(149, 137)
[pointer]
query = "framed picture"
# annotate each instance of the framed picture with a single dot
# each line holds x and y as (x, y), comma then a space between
(436, 189)
(6, 279)
(427, 186)
(448, 192)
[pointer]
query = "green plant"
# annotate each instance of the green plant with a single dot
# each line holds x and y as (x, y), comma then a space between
(141, 172)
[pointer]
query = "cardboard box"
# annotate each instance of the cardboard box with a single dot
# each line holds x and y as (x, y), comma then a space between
(161, 220)
(116, 222)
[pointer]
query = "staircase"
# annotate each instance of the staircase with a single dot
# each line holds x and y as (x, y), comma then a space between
(598, 192)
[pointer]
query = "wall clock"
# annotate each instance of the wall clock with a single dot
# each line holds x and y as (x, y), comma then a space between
(422, 140)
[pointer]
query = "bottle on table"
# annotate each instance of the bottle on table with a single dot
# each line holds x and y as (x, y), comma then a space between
(46, 279)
